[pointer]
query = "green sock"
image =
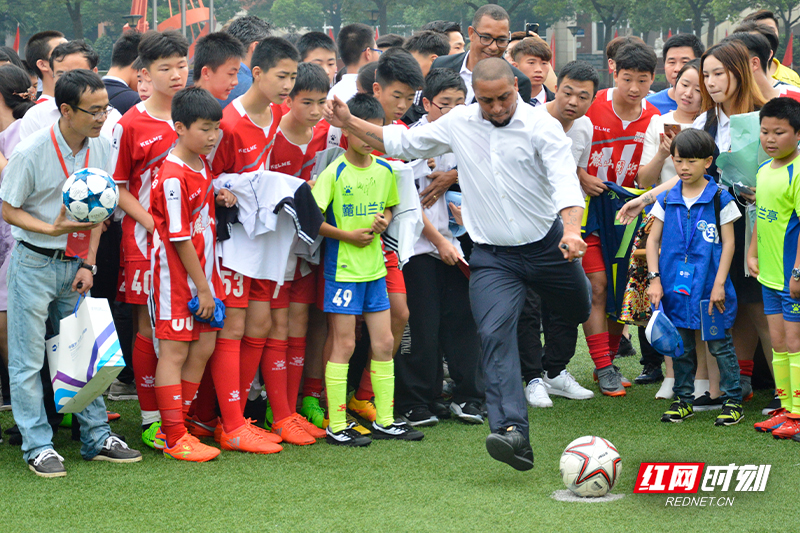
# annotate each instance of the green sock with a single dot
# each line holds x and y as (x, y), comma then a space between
(336, 387)
(780, 367)
(382, 373)
(794, 380)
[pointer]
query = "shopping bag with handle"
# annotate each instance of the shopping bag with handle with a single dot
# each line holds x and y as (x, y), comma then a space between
(85, 356)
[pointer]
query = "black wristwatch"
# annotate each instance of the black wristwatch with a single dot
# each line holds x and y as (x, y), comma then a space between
(653, 275)
(90, 268)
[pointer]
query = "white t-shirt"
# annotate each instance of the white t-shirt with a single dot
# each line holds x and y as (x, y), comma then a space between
(581, 136)
(345, 89)
(729, 213)
(652, 140)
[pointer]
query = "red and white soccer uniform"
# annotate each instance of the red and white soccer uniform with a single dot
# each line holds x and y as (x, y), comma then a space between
(616, 144)
(617, 147)
(789, 91)
(141, 143)
(244, 146)
(297, 161)
(183, 210)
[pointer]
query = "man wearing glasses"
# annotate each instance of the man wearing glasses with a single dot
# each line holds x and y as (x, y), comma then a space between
(489, 36)
(52, 262)
(70, 55)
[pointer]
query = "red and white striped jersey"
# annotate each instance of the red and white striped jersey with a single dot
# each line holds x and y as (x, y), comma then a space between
(140, 145)
(243, 146)
(183, 210)
(616, 144)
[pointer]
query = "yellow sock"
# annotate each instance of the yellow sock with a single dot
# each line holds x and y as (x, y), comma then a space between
(794, 379)
(336, 388)
(780, 367)
(382, 374)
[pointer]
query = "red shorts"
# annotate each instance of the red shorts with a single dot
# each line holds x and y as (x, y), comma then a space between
(395, 282)
(593, 259)
(181, 329)
(240, 289)
(300, 291)
(136, 282)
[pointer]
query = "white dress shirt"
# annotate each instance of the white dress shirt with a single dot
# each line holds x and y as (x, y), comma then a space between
(345, 89)
(466, 75)
(723, 138)
(514, 179)
(46, 114)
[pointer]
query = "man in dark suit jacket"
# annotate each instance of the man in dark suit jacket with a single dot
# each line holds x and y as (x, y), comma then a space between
(489, 37)
(121, 78)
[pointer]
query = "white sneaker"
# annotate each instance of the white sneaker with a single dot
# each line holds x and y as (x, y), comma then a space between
(536, 394)
(565, 385)
(665, 392)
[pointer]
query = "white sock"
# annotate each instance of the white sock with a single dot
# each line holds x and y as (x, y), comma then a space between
(701, 386)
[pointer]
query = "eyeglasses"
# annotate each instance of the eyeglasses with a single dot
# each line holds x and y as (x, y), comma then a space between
(99, 115)
(444, 108)
(487, 40)
(374, 50)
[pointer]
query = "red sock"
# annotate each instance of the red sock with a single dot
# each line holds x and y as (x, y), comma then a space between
(365, 391)
(613, 344)
(599, 350)
(273, 370)
(204, 407)
(312, 387)
(224, 365)
(188, 390)
(168, 399)
(297, 358)
(144, 370)
(249, 358)
(746, 368)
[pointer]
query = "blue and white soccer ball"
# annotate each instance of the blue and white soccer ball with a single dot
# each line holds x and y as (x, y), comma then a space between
(590, 466)
(90, 195)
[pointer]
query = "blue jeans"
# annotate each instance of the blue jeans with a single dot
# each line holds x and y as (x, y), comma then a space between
(685, 367)
(40, 287)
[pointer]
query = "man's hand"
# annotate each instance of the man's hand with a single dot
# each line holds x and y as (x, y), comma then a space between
(207, 304)
(717, 298)
(361, 237)
(336, 113)
(379, 224)
(456, 210)
(572, 246)
(655, 292)
(83, 281)
(628, 212)
(441, 181)
(591, 185)
(794, 288)
(448, 252)
(225, 198)
(64, 225)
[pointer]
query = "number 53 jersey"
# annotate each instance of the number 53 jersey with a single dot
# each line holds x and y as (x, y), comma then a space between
(350, 197)
(617, 144)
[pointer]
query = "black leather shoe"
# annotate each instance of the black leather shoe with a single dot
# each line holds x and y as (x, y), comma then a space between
(626, 348)
(650, 374)
(509, 446)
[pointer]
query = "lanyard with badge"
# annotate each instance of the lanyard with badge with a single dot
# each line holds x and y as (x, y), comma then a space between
(685, 274)
(77, 241)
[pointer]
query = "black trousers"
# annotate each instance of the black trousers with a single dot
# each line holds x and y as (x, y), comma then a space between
(560, 339)
(440, 323)
(500, 278)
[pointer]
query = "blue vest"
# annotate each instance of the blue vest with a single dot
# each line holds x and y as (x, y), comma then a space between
(703, 252)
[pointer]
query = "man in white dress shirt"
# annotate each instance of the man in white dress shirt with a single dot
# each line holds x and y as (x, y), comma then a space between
(515, 185)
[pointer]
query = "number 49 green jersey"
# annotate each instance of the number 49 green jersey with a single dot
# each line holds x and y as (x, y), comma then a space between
(350, 196)
(778, 203)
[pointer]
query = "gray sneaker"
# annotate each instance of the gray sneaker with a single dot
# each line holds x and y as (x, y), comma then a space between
(47, 464)
(610, 381)
(747, 387)
(115, 450)
(122, 391)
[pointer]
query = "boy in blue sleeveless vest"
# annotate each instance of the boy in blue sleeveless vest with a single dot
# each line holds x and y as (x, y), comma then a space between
(689, 254)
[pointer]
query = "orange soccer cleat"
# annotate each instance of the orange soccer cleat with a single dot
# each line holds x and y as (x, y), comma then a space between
(189, 448)
(245, 439)
(290, 430)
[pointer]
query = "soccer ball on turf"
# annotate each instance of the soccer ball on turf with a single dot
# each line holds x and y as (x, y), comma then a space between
(590, 466)
(90, 195)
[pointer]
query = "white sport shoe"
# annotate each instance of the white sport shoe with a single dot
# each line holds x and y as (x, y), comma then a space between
(565, 385)
(536, 394)
(665, 392)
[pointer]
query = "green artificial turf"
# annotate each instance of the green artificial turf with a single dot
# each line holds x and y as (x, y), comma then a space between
(446, 482)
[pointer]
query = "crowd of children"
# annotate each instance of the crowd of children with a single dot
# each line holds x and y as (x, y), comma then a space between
(238, 199)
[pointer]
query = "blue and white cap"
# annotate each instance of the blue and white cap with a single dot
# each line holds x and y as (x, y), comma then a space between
(454, 197)
(662, 334)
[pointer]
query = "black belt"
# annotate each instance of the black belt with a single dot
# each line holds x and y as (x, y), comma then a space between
(55, 254)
